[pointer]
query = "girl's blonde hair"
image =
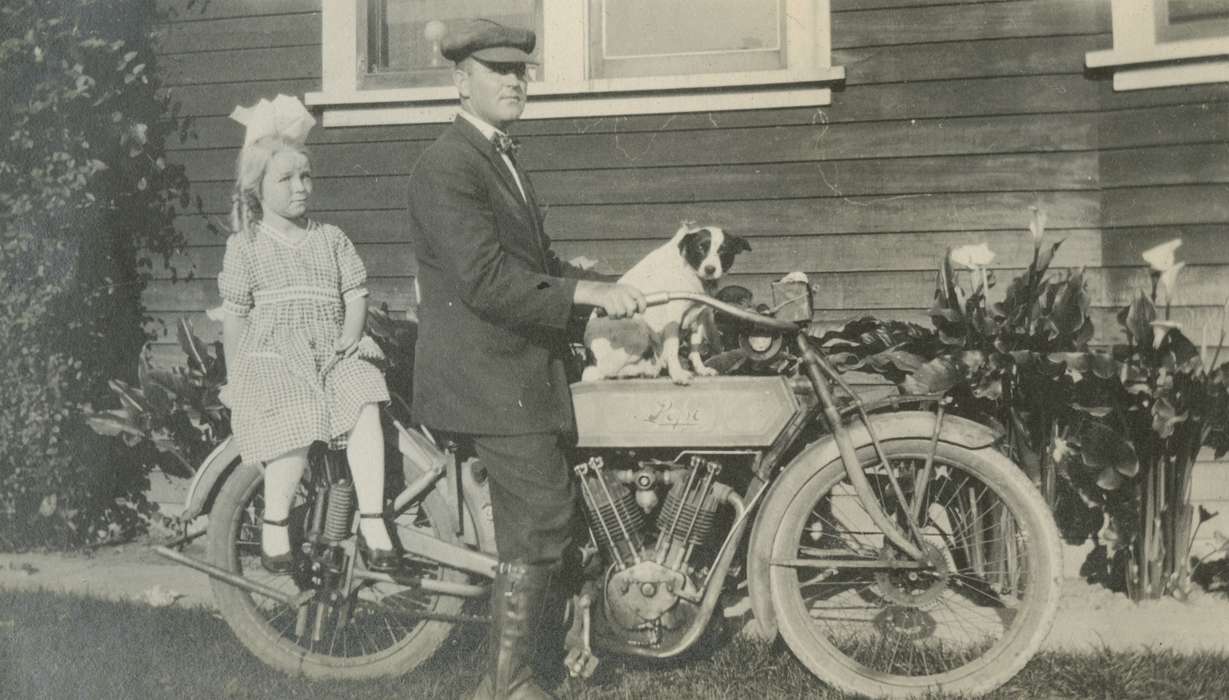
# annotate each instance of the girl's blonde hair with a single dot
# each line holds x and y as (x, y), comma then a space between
(249, 173)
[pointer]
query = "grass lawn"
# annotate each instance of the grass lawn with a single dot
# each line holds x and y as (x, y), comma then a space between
(59, 646)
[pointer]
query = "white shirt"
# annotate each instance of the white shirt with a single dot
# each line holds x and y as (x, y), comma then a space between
(488, 132)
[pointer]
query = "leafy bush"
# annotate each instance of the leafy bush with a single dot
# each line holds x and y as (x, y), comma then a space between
(1109, 435)
(85, 195)
(1145, 411)
(175, 411)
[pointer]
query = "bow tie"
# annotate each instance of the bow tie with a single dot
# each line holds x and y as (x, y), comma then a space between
(504, 143)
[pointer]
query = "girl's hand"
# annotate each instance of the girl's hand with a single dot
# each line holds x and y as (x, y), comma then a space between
(345, 346)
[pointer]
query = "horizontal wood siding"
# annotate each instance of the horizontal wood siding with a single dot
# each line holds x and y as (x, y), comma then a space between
(956, 116)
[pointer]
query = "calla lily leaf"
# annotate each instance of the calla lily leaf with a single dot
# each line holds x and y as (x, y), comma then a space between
(1205, 515)
(1110, 480)
(1070, 307)
(112, 422)
(934, 377)
(1102, 447)
(904, 361)
(1094, 411)
(1137, 318)
(191, 345)
(1045, 256)
(1165, 417)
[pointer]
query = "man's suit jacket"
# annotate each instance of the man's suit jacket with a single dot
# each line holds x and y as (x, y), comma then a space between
(495, 307)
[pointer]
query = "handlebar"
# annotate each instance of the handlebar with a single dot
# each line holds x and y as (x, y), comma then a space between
(768, 322)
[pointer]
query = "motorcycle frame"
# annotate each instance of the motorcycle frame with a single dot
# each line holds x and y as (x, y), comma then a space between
(845, 429)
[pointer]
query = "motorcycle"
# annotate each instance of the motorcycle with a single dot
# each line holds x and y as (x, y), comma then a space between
(896, 550)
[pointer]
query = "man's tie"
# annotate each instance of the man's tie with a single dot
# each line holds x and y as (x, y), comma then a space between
(505, 144)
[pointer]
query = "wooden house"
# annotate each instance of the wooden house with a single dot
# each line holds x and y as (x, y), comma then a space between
(854, 140)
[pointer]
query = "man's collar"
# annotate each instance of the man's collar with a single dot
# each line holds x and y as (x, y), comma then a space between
(487, 130)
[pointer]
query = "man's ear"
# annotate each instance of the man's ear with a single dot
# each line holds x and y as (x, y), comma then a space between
(460, 78)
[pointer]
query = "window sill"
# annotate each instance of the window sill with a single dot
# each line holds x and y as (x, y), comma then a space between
(1185, 62)
(595, 98)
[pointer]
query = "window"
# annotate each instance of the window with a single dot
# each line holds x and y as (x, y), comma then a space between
(403, 37)
(638, 38)
(596, 57)
(1160, 43)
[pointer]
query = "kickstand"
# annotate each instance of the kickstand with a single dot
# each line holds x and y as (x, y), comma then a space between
(579, 660)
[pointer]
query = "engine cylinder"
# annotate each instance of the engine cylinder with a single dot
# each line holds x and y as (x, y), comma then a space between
(678, 525)
(614, 518)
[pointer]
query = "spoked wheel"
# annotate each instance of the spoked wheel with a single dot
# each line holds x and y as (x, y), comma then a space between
(378, 631)
(869, 619)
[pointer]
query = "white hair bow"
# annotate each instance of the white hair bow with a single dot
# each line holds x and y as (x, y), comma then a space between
(285, 116)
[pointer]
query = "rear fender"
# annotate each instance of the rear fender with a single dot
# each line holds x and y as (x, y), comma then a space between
(888, 426)
(209, 476)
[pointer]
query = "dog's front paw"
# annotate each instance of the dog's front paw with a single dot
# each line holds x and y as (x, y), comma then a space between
(706, 371)
(591, 374)
(680, 376)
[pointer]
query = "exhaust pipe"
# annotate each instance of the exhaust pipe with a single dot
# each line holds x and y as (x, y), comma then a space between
(293, 600)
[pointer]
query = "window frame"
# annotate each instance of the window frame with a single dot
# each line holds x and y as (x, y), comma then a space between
(1149, 52)
(562, 90)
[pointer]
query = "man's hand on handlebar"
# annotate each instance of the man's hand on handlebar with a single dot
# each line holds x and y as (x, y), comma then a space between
(617, 300)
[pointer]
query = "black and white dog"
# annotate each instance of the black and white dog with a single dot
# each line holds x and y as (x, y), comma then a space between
(693, 261)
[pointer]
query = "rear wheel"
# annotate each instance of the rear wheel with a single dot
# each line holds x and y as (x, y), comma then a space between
(380, 631)
(865, 618)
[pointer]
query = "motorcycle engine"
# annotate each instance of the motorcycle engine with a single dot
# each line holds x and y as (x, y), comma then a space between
(649, 544)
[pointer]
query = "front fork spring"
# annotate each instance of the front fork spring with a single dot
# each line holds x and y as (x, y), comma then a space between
(339, 516)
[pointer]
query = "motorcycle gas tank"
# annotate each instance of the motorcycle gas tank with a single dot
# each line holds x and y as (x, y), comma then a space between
(710, 412)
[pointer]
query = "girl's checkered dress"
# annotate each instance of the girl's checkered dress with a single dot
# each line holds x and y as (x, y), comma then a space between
(288, 388)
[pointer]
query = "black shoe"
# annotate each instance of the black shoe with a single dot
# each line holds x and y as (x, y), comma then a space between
(277, 564)
(385, 561)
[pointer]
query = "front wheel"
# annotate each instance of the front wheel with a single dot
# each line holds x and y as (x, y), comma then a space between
(867, 619)
(379, 632)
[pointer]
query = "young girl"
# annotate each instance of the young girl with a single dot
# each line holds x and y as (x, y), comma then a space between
(300, 368)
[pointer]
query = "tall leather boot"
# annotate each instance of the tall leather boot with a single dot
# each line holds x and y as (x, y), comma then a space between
(516, 604)
(563, 580)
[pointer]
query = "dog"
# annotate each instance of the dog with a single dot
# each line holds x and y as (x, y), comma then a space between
(692, 261)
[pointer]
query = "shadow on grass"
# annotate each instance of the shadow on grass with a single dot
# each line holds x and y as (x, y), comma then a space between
(58, 646)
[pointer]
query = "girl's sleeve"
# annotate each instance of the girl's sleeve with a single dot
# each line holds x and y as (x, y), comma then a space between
(235, 282)
(353, 274)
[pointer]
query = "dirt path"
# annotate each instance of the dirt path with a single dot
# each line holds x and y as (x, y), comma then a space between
(1088, 617)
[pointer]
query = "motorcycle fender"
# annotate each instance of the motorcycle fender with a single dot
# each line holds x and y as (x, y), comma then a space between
(888, 426)
(209, 475)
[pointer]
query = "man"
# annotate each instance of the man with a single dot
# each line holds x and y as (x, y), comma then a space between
(495, 306)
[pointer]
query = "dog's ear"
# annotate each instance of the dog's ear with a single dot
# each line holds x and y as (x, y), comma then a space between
(737, 244)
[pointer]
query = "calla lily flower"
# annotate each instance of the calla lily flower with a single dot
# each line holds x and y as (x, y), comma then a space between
(973, 256)
(1037, 226)
(1161, 257)
(1160, 329)
(1169, 280)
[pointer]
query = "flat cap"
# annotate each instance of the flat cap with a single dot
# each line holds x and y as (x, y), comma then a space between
(488, 41)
